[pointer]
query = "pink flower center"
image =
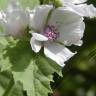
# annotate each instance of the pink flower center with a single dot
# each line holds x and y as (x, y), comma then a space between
(51, 33)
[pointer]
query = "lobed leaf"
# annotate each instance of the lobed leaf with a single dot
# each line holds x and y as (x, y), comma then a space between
(34, 71)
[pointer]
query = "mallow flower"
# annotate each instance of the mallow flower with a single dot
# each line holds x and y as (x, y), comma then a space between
(80, 7)
(14, 20)
(54, 29)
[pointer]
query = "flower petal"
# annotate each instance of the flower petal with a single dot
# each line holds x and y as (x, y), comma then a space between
(69, 24)
(39, 18)
(58, 53)
(39, 37)
(73, 1)
(78, 1)
(14, 20)
(78, 43)
(35, 45)
(13, 5)
(84, 9)
(16, 23)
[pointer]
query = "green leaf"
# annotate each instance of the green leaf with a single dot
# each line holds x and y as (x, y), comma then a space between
(7, 86)
(14, 89)
(5, 63)
(4, 80)
(24, 3)
(33, 70)
(3, 4)
(29, 3)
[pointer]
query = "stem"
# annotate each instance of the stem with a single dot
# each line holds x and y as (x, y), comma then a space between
(56, 3)
(41, 2)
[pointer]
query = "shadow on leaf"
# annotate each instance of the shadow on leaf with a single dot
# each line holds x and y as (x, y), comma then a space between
(19, 55)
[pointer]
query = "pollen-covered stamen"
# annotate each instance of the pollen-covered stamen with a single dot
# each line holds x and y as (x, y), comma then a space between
(51, 33)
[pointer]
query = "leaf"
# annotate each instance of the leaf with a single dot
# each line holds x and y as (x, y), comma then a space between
(24, 3)
(4, 80)
(7, 88)
(3, 3)
(33, 70)
(5, 63)
(14, 89)
(29, 3)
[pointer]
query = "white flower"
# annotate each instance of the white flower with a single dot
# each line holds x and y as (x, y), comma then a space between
(80, 7)
(14, 20)
(63, 27)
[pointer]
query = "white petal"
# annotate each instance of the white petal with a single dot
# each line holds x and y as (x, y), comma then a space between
(78, 1)
(2, 24)
(73, 1)
(15, 20)
(39, 37)
(16, 24)
(58, 53)
(39, 17)
(35, 45)
(81, 9)
(84, 10)
(69, 24)
(13, 5)
(78, 43)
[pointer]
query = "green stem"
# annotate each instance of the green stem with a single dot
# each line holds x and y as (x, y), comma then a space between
(41, 2)
(57, 3)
